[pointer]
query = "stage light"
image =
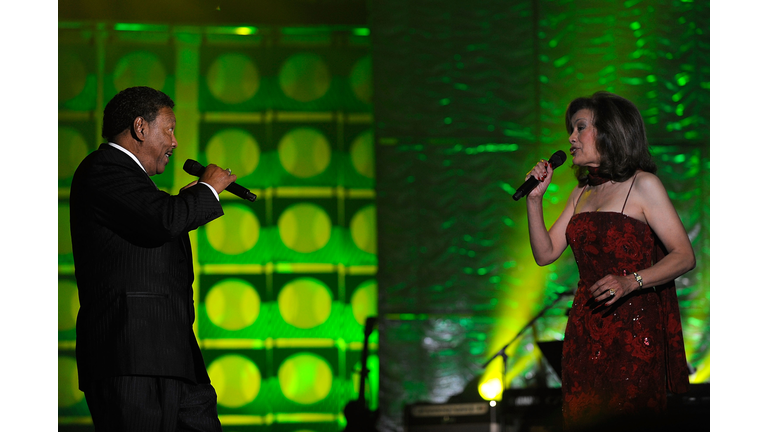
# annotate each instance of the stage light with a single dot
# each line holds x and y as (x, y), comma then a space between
(491, 389)
(245, 30)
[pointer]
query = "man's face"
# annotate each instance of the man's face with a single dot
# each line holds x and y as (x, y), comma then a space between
(159, 142)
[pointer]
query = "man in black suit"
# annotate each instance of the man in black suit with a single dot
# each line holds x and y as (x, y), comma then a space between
(138, 361)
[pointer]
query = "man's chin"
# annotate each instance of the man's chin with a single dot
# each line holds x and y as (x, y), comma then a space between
(160, 168)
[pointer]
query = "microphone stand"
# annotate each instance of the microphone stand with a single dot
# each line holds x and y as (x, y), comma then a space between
(503, 351)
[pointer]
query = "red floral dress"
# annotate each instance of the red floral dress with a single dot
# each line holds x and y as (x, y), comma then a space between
(619, 360)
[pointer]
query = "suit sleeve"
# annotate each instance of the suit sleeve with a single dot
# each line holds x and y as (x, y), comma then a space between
(127, 201)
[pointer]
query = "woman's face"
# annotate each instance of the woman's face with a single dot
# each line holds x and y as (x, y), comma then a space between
(582, 139)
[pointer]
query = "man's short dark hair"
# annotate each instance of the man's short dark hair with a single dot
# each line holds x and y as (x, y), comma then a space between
(130, 103)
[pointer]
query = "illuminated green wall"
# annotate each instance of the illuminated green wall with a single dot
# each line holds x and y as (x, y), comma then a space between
(284, 284)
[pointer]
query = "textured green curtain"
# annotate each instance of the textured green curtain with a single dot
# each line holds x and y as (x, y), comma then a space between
(467, 97)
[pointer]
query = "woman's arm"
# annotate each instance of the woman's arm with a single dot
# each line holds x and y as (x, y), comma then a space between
(663, 219)
(546, 245)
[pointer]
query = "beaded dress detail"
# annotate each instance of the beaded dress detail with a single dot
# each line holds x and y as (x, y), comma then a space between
(619, 360)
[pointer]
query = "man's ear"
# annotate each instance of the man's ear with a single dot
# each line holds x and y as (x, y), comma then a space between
(138, 129)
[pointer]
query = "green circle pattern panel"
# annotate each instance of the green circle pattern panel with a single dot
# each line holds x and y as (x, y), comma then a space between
(305, 378)
(363, 229)
(288, 225)
(234, 233)
(233, 304)
(69, 305)
(233, 78)
(235, 149)
(237, 380)
(65, 239)
(360, 79)
(305, 303)
(362, 154)
(304, 227)
(69, 394)
(304, 152)
(72, 76)
(139, 68)
(304, 77)
(72, 150)
(364, 301)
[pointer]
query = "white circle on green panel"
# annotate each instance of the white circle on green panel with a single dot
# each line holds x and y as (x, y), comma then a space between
(304, 227)
(72, 76)
(236, 232)
(139, 68)
(305, 378)
(237, 380)
(360, 78)
(232, 304)
(363, 229)
(72, 150)
(304, 77)
(65, 240)
(361, 154)
(235, 149)
(233, 78)
(305, 303)
(364, 301)
(304, 152)
(69, 394)
(69, 305)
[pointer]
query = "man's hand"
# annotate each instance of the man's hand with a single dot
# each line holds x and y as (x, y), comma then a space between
(217, 177)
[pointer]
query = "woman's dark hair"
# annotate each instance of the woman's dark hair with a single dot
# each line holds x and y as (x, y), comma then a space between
(620, 138)
(130, 103)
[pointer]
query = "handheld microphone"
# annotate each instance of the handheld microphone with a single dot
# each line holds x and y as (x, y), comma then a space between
(556, 160)
(194, 168)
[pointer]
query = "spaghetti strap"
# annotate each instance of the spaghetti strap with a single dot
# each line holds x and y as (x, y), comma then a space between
(630, 190)
(579, 198)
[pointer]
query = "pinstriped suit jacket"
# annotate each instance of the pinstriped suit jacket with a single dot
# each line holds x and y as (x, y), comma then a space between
(133, 265)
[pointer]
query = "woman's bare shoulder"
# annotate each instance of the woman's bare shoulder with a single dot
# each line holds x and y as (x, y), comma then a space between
(649, 183)
(651, 193)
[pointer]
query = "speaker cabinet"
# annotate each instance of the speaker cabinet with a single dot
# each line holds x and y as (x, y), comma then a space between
(459, 417)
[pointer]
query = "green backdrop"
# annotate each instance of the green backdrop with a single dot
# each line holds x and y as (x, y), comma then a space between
(284, 284)
(385, 156)
(468, 96)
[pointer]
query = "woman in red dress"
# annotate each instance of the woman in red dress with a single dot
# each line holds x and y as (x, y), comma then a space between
(623, 346)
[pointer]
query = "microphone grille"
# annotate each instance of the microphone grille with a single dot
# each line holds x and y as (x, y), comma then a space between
(193, 167)
(557, 159)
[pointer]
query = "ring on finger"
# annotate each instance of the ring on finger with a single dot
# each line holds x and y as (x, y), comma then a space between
(612, 292)
(229, 171)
